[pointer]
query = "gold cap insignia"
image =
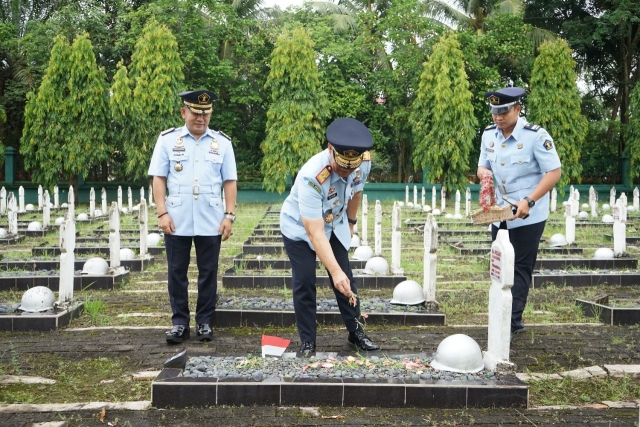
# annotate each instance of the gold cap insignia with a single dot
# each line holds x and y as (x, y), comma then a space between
(350, 159)
(494, 100)
(204, 98)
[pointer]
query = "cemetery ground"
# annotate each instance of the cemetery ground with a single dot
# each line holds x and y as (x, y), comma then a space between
(121, 332)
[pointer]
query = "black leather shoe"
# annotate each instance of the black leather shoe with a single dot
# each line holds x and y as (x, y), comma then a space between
(361, 342)
(307, 348)
(519, 328)
(204, 332)
(178, 334)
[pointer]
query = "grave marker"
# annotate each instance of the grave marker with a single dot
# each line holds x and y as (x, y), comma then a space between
(377, 229)
(92, 203)
(144, 228)
(39, 197)
(120, 198)
(430, 261)
(423, 196)
(456, 208)
(365, 218)
(104, 200)
(433, 198)
(21, 199)
(593, 202)
(67, 260)
(467, 202)
(71, 202)
(619, 229)
(12, 215)
(406, 196)
(151, 204)
(114, 236)
(3, 201)
(636, 199)
(623, 197)
(56, 197)
(576, 203)
(396, 240)
(443, 199)
(496, 358)
(46, 210)
(612, 196)
(142, 194)
(415, 195)
(570, 228)
(130, 199)
(554, 200)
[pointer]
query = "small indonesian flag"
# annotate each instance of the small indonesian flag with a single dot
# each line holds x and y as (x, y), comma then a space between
(273, 346)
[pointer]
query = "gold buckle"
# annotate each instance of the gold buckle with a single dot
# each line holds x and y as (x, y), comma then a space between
(195, 190)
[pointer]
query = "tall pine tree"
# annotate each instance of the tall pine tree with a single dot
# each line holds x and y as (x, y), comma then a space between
(554, 104)
(298, 109)
(442, 116)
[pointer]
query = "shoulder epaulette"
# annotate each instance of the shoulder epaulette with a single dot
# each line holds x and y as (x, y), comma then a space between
(490, 127)
(164, 132)
(366, 156)
(324, 174)
(224, 134)
(532, 127)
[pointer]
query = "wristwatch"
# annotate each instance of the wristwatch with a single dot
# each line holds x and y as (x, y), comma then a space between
(531, 202)
(230, 216)
(352, 221)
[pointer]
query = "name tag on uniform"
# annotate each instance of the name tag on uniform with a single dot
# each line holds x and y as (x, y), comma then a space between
(179, 156)
(332, 196)
(214, 152)
(490, 150)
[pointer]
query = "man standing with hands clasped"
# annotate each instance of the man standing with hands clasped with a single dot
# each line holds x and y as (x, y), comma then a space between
(317, 219)
(526, 166)
(194, 163)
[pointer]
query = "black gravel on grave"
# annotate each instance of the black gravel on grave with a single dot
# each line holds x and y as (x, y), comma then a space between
(401, 367)
(14, 273)
(563, 272)
(378, 305)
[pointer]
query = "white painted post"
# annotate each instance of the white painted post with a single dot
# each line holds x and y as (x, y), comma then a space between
(67, 260)
(396, 240)
(623, 197)
(433, 198)
(636, 199)
(415, 195)
(501, 266)
(21, 199)
(554, 200)
(467, 202)
(71, 202)
(39, 197)
(406, 196)
(12, 215)
(56, 197)
(377, 229)
(144, 228)
(103, 195)
(576, 203)
(430, 261)
(114, 236)
(423, 196)
(92, 203)
(593, 202)
(570, 229)
(456, 208)
(612, 196)
(3, 201)
(365, 217)
(151, 204)
(46, 210)
(130, 199)
(142, 194)
(619, 229)
(443, 200)
(120, 198)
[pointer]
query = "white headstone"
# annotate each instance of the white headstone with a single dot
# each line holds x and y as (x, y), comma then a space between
(114, 236)
(593, 202)
(130, 199)
(365, 218)
(92, 203)
(443, 199)
(142, 194)
(56, 197)
(377, 229)
(433, 198)
(21, 199)
(396, 240)
(67, 260)
(636, 199)
(467, 202)
(423, 196)
(40, 200)
(3, 201)
(623, 197)
(103, 196)
(456, 209)
(430, 259)
(619, 229)
(71, 204)
(415, 195)
(406, 195)
(12, 214)
(151, 204)
(612, 196)
(553, 206)
(576, 203)
(46, 210)
(570, 232)
(120, 198)
(143, 215)
(500, 300)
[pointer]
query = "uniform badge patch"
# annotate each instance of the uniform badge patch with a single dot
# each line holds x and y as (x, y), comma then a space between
(328, 217)
(324, 174)
(548, 145)
(366, 156)
(491, 144)
(332, 193)
(315, 187)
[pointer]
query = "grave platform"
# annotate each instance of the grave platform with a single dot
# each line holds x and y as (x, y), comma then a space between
(171, 390)
(85, 250)
(22, 282)
(587, 279)
(280, 263)
(613, 310)
(48, 321)
(10, 240)
(36, 264)
(482, 250)
(587, 264)
(631, 240)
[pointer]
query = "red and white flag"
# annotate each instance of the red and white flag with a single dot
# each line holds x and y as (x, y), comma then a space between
(273, 346)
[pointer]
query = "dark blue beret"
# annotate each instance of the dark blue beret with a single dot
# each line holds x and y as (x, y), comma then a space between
(502, 100)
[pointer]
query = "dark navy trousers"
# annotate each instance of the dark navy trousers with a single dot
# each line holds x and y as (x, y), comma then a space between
(178, 257)
(525, 241)
(303, 266)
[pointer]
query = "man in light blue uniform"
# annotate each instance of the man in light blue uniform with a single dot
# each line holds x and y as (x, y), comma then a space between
(317, 219)
(194, 163)
(526, 166)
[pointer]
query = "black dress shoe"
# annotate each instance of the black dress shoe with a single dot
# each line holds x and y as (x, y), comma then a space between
(518, 328)
(307, 348)
(178, 334)
(361, 342)
(204, 332)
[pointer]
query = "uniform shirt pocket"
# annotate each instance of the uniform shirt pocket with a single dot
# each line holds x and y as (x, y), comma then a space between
(214, 160)
(520, 160)
(173, 201)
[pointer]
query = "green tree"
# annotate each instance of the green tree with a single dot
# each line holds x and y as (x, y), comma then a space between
(295, 119)
(554, 103)
(633, 134)
(156, 75)
(65, 124)
(442, 118)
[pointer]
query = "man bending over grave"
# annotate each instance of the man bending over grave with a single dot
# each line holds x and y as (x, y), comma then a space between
(317, 219)
(194, 163)
(526, 166)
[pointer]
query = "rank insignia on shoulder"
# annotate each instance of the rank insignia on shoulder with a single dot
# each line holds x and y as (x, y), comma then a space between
(493, 126)
(366, 156)
(532, 127)
(224, 134)
(164, 132)
(315, 187)
(324, 174)
(548, 144)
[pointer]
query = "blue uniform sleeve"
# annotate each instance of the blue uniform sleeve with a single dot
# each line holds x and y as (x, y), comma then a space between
(309, 198)
(228, 171)
(483, 161)
(545, 152)
(159, 160)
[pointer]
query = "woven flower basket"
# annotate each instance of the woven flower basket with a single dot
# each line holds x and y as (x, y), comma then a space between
(495, 214)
